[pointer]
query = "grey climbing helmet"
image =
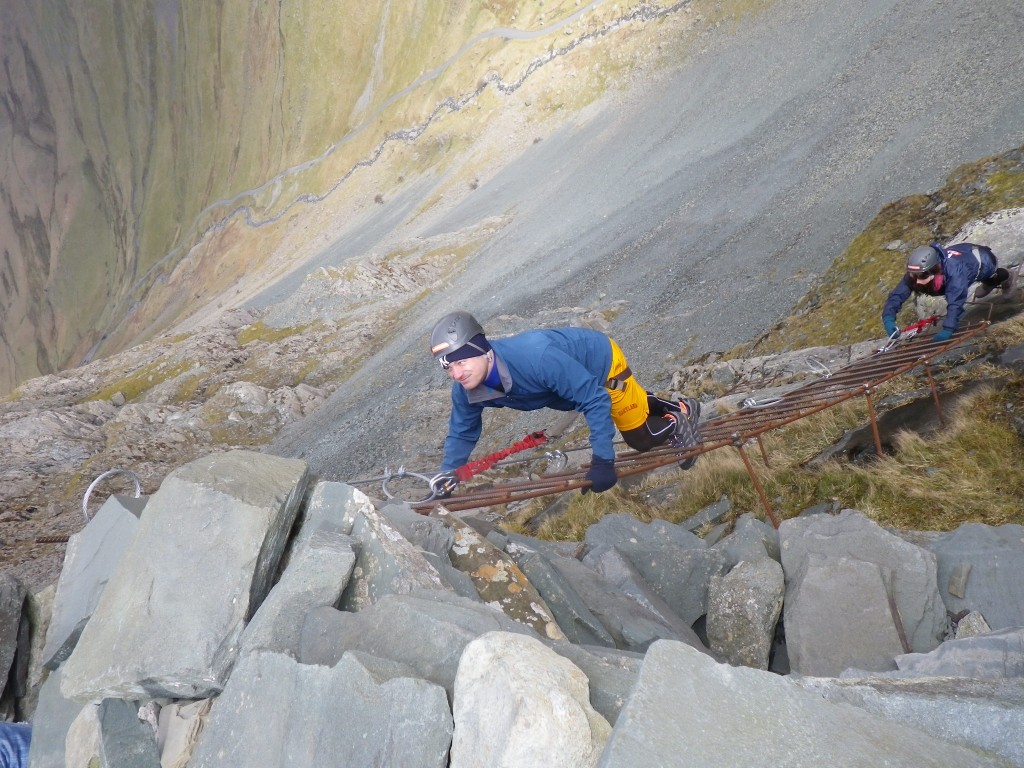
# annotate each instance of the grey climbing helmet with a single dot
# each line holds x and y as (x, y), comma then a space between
(923, 261)
(453, 332)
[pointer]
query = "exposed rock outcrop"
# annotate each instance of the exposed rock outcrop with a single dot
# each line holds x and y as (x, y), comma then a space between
(269, 659)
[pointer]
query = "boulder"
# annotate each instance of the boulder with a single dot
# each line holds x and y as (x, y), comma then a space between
(751, 539)
(170, 618)
(837, 615)
(997, 655)
(743, 609)
(277, 713)
(633, 626)
(985, 715)
(979, 569)
(688, 710)
(868, 587)
(518, 703)
(387, 563)
(14, 640)
(497, 578)
(89, 561)
(316, 577)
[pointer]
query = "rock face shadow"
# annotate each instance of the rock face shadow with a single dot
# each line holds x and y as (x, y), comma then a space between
(920, 416)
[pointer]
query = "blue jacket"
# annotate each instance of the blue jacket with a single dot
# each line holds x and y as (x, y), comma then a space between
(561, 368)
(962, 265)
(15, 739)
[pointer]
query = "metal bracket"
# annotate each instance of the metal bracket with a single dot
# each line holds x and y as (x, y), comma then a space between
(108, 473)
(399, 474)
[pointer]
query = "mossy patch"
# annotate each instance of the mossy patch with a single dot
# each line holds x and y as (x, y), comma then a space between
(260, 331)
(143, 379)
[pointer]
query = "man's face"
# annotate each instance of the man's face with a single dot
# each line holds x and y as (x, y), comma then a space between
(471, 371)
(924, 279)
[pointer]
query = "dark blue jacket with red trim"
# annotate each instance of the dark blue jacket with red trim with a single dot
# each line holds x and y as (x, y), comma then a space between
(960, 269)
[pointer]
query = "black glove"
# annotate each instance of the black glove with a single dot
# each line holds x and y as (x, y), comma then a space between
(601, 475)
(890, 326)
(443, 484)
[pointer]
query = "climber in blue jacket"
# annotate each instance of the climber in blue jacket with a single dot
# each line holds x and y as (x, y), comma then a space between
(947, 271)
(561, 368)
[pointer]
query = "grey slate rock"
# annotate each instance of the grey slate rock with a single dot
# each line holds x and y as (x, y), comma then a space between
(425, 630)
(619, 530)
(38, 610)
(743, 609)
(277, 713)
(679, 575)
(716, 534)
(909, 572)
(328, 506)
(998, 654)
(53, 717)
(316, 577)
(824, 508)
(13, 635)
(498, 539)
(971, 625)
(387, 564)
(837, 615)
(564, 548)
(710, 515)
(168, 623)
(89, 561)
(751, 539)
(986, 715)
(612, 674)
(134, 504)
(621, 574)
(434, 540)
(125, 741)
(687, 710)
(571, 613)
(633, 626)
(993, 557)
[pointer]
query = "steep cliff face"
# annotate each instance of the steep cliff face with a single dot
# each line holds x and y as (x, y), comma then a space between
(134, 136)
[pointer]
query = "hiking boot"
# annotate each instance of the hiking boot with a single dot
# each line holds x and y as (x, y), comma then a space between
(984, 290)
(685, 433)
(1009, 286)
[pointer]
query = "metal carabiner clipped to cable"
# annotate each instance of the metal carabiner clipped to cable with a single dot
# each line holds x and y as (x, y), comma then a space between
(399, 474)
(817, 366)
(751, 402)
(557, 461)
(894, 337)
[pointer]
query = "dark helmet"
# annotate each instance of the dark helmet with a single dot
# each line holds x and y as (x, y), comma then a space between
(452, 332)
(923, 261)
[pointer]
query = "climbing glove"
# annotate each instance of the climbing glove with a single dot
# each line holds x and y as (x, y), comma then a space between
(944, 335)
(443, 484)
(890, 326)
(601, 475)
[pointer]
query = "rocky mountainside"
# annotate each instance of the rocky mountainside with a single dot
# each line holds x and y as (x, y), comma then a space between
(627, 216)
(156, 155)
(247, 615)
(255, 264)
(164, 164)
